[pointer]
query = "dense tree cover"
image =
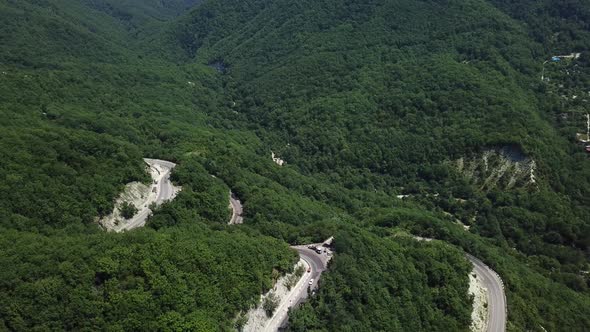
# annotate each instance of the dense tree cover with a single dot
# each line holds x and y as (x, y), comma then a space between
(383, 95)
(364, 100)
(68, 30)
(203, 198)
(560, 26)
(55, 176)
(186, 278)
(77, 122)
(525, 277)
(128, 210)
(389, 284)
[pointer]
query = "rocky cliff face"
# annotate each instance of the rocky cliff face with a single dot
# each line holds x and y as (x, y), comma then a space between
(503, 168)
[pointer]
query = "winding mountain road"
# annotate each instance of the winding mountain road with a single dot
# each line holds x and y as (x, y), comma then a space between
(317, 263)
(164, 191)
(497, 310)
(495, 293)
(289, 298)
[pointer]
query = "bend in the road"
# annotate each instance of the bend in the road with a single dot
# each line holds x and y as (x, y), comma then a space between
(318, 263)
(165, 190)
(497, 310)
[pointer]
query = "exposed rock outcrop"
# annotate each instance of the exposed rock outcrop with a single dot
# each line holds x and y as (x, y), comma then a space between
(504, 168)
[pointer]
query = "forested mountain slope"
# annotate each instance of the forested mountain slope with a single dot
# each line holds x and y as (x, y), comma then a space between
(364, 100)
(386, 96)
(80, 108)
(559, 25)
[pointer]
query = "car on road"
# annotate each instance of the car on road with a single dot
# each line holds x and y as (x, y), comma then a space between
(309, 269)
(318, 250)
(310, 282)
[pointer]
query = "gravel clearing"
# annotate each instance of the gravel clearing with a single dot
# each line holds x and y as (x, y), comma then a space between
(479, 315)
(142, 196)
(257, 319)
(135, 193)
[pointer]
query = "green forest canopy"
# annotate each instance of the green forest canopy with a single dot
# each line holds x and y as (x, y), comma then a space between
(365, 101)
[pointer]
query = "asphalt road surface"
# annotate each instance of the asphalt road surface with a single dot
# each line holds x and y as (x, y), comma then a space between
(496, 297)
(318, 263)
(237, 210)
(164, 191)
(495, 292)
